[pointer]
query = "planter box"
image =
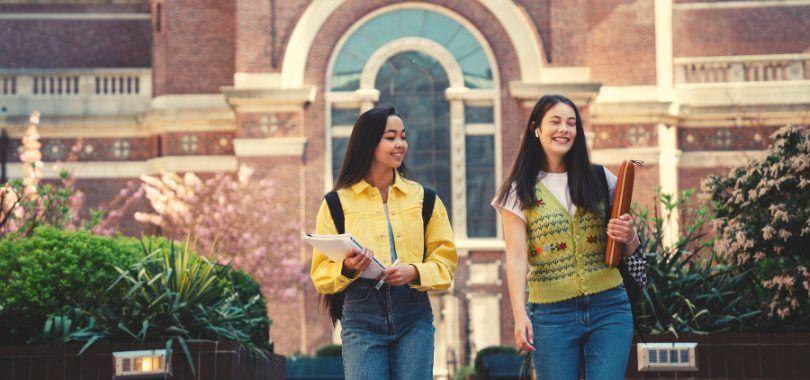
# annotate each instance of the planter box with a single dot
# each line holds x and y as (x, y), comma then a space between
(213, 360)
(738, 356)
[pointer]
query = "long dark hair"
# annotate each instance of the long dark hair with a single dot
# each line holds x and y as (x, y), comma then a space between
(531, 158)
(366, 135)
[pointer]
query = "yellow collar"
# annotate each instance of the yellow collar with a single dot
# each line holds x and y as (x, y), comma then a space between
(399, 184)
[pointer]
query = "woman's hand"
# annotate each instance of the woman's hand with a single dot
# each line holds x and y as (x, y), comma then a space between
(400, 274)
(357, 262)
(622, 229)
(524, 333)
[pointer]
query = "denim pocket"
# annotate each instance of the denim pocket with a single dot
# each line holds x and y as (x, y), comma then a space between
(358, 292)
(417, 296)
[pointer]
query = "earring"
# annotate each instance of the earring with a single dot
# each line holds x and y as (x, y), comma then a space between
(537, 133)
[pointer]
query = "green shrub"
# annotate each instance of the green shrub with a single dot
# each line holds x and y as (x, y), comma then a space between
(170, 295)
(249, 295)
(689, 291)
(329, 351)
(491, 350)
(463, 372)
(52, 271)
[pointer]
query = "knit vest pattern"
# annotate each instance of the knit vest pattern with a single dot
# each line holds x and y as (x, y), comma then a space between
(566, 254)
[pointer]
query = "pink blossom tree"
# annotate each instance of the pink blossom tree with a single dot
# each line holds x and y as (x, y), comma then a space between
(28, 202)
(763, 221)
(240, 218)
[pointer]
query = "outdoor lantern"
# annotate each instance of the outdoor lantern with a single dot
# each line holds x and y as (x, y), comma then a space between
(137, 364)
(657, 357)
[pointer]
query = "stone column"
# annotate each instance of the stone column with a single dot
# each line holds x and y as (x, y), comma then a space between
(458, 159)
(668, 161)
(270, 139)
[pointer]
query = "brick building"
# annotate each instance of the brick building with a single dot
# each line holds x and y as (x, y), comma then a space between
(690, 87)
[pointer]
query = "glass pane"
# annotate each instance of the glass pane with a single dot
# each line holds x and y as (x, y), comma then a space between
(462, 43)
(439, 28)
(410, 22)
(477, 73)
(338, 151)
(481, 220)
(344, 116)
(478, 115)
(411, 82)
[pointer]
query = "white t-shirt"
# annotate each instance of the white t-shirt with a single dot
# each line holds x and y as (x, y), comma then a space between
(557, 184)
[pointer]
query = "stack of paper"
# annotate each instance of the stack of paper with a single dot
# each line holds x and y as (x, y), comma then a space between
(337, 247)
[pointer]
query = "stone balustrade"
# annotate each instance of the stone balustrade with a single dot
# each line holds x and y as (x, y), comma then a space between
(741, 68)
(75, 92)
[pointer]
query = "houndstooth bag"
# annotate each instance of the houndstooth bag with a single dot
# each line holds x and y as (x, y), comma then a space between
(637, 267)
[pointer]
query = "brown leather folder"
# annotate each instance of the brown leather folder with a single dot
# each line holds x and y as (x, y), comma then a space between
(622, 198)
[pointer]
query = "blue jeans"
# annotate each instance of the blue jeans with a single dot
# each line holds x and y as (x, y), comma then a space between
(597, 328)
(387, 333)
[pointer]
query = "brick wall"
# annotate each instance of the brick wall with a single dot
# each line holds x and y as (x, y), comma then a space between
(539, 11)
(741, 31)
(725, 138)
(624, 135)
(621, 41)
(195, 49)
(287, 15)
(569, 33)
(42, 43)
(690, 178)
(101, 193)
(263, 29)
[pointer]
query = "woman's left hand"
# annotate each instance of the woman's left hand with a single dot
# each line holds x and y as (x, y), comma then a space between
(622, 229)
(400, 274)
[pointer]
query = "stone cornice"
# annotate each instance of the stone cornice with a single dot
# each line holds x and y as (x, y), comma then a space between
(580, 93)
(268, 99)
(134, 169)
(270, 147)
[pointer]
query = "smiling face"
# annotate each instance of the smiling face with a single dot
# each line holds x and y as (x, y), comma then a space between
(392, 147)
(557, 131)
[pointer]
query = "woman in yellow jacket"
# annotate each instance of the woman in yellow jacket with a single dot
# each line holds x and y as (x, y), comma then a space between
(387, 333)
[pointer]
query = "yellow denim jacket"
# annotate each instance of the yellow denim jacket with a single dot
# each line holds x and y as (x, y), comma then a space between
(365, 219)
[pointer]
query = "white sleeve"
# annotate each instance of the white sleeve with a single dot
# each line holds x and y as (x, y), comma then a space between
(611, 182)
(512, 204)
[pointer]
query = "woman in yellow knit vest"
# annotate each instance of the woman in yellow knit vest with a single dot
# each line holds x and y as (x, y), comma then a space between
(387, 332)
(554, 227)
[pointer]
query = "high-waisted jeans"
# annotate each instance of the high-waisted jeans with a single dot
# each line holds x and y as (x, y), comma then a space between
(597, 328)
(387, 333)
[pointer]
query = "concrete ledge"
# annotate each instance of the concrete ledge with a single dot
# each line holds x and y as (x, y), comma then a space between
(270, 147)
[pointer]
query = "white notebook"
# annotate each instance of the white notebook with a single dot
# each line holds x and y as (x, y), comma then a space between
(336, 247)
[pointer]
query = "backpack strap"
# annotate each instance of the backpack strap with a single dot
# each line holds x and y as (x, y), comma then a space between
(334, 302)
(428, 202)
(336, 210)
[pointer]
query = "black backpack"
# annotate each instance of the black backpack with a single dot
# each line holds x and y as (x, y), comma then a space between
(334, 302)
(634, 278)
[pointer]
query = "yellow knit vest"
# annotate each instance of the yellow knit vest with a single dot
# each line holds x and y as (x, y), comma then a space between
(566, 254)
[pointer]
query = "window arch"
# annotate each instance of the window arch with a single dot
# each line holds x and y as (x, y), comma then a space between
(440, 74)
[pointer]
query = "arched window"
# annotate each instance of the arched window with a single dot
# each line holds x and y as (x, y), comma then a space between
(434, 68)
